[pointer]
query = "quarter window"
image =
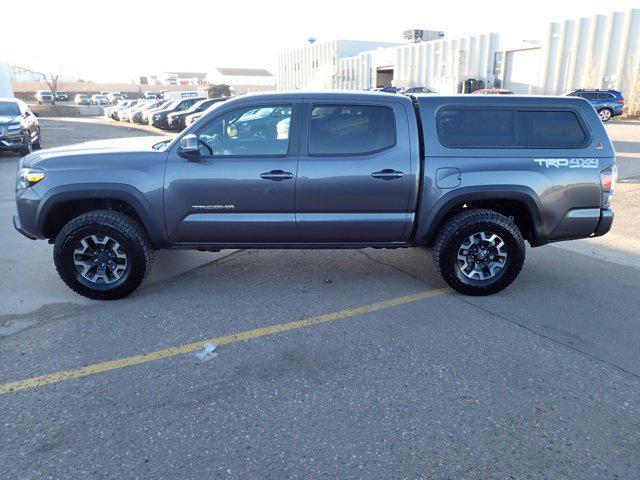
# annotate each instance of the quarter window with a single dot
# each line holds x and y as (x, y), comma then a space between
(350, 129)
(250, 131)
(549, 129)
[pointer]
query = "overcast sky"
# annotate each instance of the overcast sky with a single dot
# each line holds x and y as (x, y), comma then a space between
(118, 40)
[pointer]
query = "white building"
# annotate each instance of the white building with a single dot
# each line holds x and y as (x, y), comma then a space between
(441, 65)
(243, 79)
(6, 91)
(518, 69)
(598, 52)
(315, 66)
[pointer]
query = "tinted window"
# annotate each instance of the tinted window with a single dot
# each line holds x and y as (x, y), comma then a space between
(588, 95)
(495, 128)
(476, 127)
(553, 129)
(605, 96)
(242, 133)
(350, 129)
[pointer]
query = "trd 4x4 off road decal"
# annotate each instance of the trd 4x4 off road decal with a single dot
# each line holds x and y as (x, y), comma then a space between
(568, 162)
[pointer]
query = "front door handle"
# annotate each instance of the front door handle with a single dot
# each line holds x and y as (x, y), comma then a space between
(387, 174)
(276, 175)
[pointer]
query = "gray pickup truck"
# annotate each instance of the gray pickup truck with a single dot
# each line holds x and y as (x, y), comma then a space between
(473, 177)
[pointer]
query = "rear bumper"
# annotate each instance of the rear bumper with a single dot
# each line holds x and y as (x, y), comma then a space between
(581, 223)
(605, 223)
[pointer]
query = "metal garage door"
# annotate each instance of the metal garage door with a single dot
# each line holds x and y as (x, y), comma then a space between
(522, 69)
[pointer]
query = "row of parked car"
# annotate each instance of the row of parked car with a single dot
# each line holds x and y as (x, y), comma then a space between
(166, 114)
(101, 99)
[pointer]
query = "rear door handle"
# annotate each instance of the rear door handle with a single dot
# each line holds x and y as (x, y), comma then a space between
(387, 174)
(276, 175)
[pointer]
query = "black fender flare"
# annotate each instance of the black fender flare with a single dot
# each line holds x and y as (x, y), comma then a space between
(524, 195)
(97, 191)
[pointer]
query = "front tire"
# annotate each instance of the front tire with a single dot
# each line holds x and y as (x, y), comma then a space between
(27, 148)
(479, 252)
(37, 145)
(102, 255)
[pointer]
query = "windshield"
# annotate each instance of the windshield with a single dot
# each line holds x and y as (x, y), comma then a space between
(257, 113)
(9, 109)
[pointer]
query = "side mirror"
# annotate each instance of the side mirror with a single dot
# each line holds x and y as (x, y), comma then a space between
(36, 114)
(189, 144)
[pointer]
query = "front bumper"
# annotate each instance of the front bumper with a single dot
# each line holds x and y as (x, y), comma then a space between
(18, 226)
(11, 141)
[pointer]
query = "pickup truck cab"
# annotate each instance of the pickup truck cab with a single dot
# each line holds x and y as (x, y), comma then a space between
(473, 177)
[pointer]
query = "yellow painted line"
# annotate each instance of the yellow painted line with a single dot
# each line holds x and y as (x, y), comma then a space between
(43, 380)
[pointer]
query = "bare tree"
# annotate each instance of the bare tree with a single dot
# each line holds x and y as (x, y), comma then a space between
(52, 82)
(633, 101)
(51, 79)
(591, 78)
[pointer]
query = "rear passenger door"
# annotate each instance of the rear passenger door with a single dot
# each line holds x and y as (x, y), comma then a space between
(354, 174)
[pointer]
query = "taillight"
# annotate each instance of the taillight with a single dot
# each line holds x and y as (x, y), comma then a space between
(621, 100)
(608, 178)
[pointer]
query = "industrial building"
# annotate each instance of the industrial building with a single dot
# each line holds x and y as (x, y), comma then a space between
(441, 64)
(428, 60)
(243, 80)
(6, 91)
(598, 52)
(316, 65)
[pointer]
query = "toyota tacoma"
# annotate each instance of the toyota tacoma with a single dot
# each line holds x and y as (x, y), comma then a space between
(472, 177)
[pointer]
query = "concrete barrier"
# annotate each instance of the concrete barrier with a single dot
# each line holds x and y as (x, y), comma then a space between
(47, 110)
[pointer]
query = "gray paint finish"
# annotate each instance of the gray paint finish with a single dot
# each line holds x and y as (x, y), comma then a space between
(330, 200)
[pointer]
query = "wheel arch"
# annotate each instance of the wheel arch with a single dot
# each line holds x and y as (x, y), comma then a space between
(62, 204)
(518, 201)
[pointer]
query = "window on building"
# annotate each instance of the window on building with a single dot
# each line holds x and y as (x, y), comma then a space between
(350, 129)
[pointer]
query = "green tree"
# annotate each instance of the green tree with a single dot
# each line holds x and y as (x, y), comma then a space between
(217, 91)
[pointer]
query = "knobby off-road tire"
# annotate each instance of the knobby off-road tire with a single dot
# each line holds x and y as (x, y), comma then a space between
(106, 238)
(479, 252)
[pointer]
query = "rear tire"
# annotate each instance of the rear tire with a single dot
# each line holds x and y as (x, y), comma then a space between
(126, 239)
(479, 252)
(605, 114)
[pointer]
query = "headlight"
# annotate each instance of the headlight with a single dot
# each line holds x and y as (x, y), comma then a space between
(12, 127)
(28, 177)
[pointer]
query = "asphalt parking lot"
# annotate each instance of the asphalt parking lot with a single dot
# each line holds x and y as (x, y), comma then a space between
(336, 363)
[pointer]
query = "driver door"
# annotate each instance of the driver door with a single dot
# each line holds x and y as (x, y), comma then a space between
(239, 187)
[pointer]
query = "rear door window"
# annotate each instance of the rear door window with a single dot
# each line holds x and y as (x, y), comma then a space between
(605, 96)
(351, 129)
